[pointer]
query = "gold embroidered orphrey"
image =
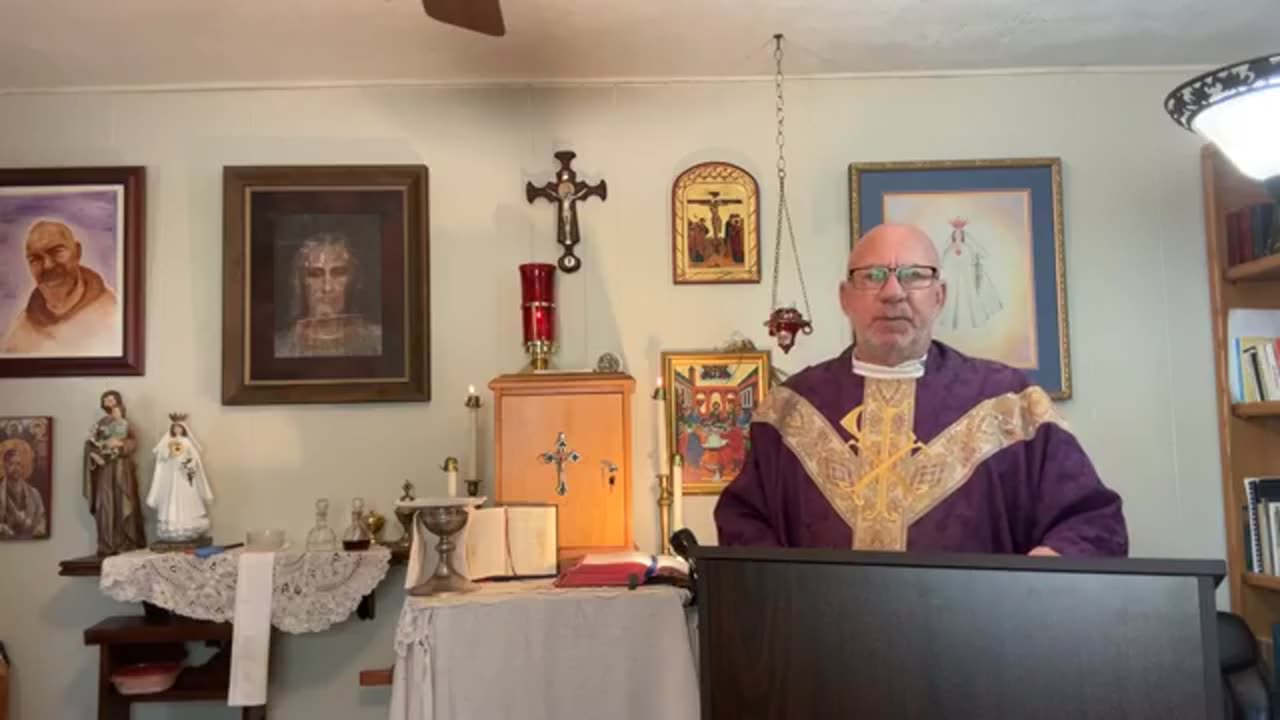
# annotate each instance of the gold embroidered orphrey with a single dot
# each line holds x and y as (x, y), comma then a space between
(884, 478)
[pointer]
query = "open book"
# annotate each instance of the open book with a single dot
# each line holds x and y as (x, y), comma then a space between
(506, 541)
(624, 569)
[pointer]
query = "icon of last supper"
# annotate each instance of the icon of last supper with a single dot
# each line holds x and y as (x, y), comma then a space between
(710, 400)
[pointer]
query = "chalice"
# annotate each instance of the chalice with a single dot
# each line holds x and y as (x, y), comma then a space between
(445, 522)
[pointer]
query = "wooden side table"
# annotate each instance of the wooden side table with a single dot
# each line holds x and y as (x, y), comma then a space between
(125, 640)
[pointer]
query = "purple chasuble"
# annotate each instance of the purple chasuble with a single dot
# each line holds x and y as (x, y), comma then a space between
(968, 458)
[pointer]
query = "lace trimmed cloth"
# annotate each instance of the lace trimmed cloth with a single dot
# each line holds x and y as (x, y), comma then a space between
(417, 613)
(526, 649)
(313, 590)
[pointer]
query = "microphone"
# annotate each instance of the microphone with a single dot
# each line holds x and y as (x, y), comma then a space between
(683, 541)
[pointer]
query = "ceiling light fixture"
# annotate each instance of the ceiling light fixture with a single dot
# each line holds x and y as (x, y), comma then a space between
(1237, 108)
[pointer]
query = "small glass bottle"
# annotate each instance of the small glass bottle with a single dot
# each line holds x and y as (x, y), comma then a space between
(322, 538)
(356, 536)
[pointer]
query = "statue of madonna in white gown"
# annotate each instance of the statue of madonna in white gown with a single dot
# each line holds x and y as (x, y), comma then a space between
(971, 297)
(180, 492)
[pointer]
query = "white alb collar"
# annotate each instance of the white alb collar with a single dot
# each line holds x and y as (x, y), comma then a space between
(910, 369)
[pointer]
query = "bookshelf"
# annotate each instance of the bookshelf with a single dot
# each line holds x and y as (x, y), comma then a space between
(1249, 433)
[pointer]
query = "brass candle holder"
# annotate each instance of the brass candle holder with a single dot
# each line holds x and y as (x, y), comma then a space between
(405, 516)
(473, 484)
(665, 497)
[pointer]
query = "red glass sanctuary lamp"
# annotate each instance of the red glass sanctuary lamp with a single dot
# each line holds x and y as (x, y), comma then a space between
(538, 308)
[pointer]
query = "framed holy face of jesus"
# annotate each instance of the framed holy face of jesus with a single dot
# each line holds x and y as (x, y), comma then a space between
(325, 296)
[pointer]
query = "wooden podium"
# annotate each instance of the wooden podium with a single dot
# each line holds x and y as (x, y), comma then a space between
(832, 633)
(591, 414)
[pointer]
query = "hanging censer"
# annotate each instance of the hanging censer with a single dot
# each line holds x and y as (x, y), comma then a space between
(785, 323)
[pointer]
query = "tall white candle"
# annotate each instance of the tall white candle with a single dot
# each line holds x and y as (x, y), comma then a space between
(677, 494)
(664, 455)
(473, 407)
(451, 476)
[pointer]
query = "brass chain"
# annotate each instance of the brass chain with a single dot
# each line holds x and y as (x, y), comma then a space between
(784, 212)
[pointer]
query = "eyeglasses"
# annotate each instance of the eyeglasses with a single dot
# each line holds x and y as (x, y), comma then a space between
(910, 277)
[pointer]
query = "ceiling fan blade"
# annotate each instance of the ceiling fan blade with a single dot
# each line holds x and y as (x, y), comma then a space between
(483, 16)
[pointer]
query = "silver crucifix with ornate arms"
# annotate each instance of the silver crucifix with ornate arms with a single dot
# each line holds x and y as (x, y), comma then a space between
(559, 457)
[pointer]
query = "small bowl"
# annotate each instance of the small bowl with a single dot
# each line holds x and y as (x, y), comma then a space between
(264, 540)
(145, 678)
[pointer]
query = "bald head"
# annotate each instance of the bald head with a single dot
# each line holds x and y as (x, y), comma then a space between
(891, 244)
(892, 293)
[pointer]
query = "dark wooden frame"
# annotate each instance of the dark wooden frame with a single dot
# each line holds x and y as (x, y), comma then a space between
(753, 271)
(413, 180)
(132, 361)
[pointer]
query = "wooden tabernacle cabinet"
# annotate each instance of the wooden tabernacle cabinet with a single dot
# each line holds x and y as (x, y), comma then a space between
(593, 412)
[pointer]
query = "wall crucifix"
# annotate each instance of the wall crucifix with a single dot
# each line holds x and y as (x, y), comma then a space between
(565, 191)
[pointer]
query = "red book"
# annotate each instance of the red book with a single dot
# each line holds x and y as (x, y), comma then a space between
(621, 570)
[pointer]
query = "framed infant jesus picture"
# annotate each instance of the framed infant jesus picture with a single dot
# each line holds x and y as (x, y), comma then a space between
(325, 285)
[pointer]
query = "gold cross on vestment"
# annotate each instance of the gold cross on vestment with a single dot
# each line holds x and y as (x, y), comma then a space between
(882, 435)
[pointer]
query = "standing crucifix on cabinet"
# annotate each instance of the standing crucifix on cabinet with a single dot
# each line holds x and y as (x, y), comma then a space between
(559, 457)
(566, 190)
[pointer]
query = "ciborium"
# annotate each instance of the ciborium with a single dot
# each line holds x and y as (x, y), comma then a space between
(444, 521)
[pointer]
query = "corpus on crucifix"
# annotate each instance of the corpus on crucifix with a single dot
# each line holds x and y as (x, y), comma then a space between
(565, 191)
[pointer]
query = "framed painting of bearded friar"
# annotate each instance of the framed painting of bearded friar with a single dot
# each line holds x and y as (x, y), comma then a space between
(715, 209)
(325, 285)
(997, 228)
(710, 398)
(72, 271)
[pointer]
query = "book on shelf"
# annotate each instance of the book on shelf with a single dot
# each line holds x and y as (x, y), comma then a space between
(1262, 525)
(1253, 232)
(1253, 354)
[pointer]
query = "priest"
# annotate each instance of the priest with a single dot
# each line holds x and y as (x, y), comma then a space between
(903, 443)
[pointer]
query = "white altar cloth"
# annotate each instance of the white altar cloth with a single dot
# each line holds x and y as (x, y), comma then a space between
(312, 590)
(525, 649)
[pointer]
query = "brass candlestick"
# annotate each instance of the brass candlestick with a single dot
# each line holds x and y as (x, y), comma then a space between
(665, 496)
(473, 406)
(405, 516)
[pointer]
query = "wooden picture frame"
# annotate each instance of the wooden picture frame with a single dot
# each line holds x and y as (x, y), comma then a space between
(72, 271)
(26, 456)
(326, 276)
(707, 248)
(998, 228)
(710, 397)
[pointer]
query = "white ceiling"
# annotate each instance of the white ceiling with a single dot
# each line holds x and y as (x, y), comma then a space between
(79, 43)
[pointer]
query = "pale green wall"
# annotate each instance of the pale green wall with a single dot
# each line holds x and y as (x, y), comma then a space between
(1139, 317)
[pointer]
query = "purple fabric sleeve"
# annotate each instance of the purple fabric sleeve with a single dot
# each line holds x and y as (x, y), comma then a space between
(1074, 513)
(749, 512)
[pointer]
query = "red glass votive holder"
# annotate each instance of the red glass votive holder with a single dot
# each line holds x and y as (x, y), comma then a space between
(538, 311)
